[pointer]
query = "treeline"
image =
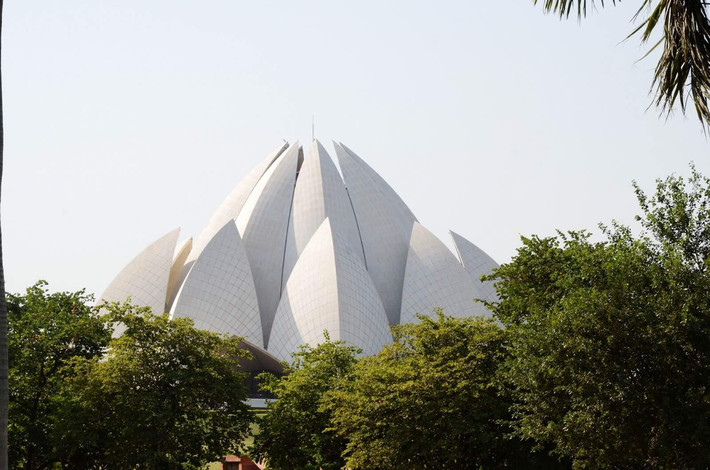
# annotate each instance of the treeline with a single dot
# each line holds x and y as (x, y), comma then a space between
(597, 357)
(162, 396)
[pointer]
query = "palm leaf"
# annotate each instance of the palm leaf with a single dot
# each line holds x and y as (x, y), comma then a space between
(564, 8)
(683, 69)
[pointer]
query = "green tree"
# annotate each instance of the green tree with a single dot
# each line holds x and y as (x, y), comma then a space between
(683, 68)
(610, 340)
(46, 332)
(431, 398)
(295, 434)
(165, 396)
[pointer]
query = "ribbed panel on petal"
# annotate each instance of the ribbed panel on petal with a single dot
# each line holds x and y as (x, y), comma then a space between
(320, 193)
(384, 229)
(329, 289)
(145, 278)
(434, 278)
(218, 293)
(263, 224)
(476, 263)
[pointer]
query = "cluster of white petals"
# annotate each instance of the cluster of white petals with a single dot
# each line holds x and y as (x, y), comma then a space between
(296, 250)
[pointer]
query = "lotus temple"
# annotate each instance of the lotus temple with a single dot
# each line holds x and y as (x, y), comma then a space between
(299, 247)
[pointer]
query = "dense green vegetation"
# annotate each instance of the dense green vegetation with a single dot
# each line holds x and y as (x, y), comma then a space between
(46, 332)
(431, 396)
(598, 357)
(296, 432)
(162, 396)
(610, 340)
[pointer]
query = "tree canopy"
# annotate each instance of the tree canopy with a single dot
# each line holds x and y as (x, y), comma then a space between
(683, 69)
(296, 432)
(610, 341)
(164, 395)
(430, 400)
(46, 332)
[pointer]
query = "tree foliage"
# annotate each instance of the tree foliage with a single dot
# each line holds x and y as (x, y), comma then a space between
(430, 400)
(677, 218)
(296, 432)
(610, 340)
(166, 395)
(683, 69)
(46, 332)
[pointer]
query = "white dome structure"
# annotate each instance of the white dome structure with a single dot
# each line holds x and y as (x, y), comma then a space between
(296, 250)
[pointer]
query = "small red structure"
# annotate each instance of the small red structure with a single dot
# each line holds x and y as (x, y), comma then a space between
(232, 462)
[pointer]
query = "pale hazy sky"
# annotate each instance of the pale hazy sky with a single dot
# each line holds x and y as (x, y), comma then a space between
(127, 118)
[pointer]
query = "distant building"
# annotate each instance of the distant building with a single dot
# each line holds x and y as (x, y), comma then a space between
(295, 250)
(232, 462)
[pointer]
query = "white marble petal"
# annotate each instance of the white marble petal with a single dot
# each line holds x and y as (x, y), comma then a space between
(384, 230)
(329, 289)
(434, 278)
(218, 293)
(296, 249)
(232, 205)
(181, 254)
(228, 210)
(476, 263)
(145, 278)
(319, 193)
(401, 211)
(263, 224)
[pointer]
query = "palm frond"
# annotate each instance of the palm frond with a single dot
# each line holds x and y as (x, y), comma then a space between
(564, 8)
(683, 70)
